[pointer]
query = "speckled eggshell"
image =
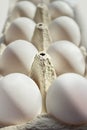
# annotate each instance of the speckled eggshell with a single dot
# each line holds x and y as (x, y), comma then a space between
(20, 99)
(66, 99)
(18, 57)
(66, 57)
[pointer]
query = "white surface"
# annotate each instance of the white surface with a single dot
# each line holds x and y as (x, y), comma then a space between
(66, 57)
(67, 99)
(18, 57)
(20, 99)
(21, 28)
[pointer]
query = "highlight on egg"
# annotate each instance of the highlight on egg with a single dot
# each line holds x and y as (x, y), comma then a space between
(61, 31)
(66, 99)
(24, 9)
(20, 99)
(17, 57)
(60, 8)
(66, 57)
(21, 28)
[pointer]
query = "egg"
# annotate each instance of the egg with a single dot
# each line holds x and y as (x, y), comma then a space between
(72, 3)
(81, 18)
(20, 99)
(66, 99)
(66, 57)
(36, 2)
(17, 57)
(60, 8)
(21, 28)
(65, 28)
(4, 7)
(24, 9)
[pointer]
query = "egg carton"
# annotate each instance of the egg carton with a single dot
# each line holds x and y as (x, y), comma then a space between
(46, 121)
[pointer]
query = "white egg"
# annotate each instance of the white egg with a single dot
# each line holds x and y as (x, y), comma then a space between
(21, 28)
(66, 99)
(66, 57)
(72, 3)
(36, 2)
(18, 57)
(4, 7)
(24, 9)
(80, 16)
(20, 99)
(60, 8)
(65, 28)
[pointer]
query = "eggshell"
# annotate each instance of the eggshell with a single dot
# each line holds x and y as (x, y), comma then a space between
(65, 28)
(18, 57)
(20, 99)
(81, 18)
(24, 9)
(66, 57)
(67, 99)
(4, 7)
(60, 8)
(36, 2)
(21, 28)
(72, 3)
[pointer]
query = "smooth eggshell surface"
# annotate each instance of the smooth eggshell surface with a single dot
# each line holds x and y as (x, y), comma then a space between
(36, 2)
(60, 8)
(18, 57)
(67, 99)
(66, 57)
(80, 16)
(24, 9)
(21, 28)
(72, 3)
(20, 99)
(65, 28)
